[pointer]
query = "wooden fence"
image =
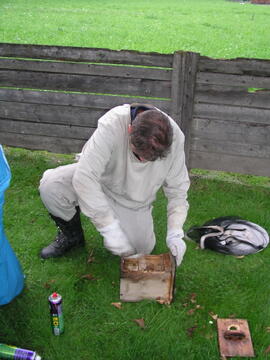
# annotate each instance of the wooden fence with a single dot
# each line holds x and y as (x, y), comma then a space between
(51, 98)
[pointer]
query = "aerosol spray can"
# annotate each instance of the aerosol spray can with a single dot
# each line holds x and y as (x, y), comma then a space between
(57, 320)
(12, 352)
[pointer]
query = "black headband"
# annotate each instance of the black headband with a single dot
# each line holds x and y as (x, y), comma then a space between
(136, 108)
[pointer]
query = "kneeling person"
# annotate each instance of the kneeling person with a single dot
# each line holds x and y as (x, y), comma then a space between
(135, 150)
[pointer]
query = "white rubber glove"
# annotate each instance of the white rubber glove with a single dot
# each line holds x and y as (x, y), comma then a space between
(176, 244)
(115, 240)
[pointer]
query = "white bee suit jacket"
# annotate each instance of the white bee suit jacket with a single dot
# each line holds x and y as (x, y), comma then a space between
(108, 172)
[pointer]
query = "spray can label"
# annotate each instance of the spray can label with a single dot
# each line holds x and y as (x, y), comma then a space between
(57, 320)
(12, 352)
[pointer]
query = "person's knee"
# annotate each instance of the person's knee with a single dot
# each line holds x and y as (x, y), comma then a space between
(57, 193)
(56, 182)
(143, 242)
(45, 177)
(150, 244)
(49, 191)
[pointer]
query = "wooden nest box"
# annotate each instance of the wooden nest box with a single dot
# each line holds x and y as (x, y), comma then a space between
(148, 277)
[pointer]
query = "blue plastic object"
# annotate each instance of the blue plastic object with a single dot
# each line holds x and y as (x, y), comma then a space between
(11, 276)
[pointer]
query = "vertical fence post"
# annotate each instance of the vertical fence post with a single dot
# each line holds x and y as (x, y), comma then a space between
(183, 90)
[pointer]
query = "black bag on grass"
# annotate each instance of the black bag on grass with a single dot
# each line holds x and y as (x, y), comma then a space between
(230, 235)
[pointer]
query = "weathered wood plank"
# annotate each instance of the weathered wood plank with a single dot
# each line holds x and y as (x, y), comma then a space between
(220, 88)
(232, 131)
(240, 66)
(183, 87)
(177, 88)
(133, 72)
(257, 99)
(233, 113)
(82, 83)
(53, 114)
(231, 163)
(148, 277)
(231, 346)
(53, 130)
(34, 142)
(86, 54)
(231, 148)
(246, 81)
(74, 99)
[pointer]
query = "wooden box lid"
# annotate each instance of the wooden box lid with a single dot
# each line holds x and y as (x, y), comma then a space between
(147, 277)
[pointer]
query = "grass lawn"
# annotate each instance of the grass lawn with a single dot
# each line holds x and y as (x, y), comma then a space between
(207, 283)
(216, 28)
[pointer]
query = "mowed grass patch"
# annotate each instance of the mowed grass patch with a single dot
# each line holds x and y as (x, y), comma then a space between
(216, 28)
(207, 283)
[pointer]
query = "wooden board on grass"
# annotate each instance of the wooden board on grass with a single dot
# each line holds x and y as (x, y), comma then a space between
(234, 338)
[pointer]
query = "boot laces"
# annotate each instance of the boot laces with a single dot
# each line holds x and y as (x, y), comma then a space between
(60, 237)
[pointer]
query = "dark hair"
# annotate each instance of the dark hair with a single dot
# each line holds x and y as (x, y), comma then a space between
(151, 134)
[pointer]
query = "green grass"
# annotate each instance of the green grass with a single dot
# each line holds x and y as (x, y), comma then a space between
(222, 285)
(216, 28)
(94, 329)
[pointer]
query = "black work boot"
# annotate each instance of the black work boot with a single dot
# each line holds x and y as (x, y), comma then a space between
(70, 234)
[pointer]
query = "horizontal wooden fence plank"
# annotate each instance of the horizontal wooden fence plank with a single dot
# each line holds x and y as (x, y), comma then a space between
(35, 142)
(257, 99)
(53, 114)
(82, 83)
(246, 81)
(240, 66)
(232, 131)
(221, 88)
(133, 72)
(231, 148)
(86, 54)
(42, 129)
(76, 99)
(232, 163)
(233, 113)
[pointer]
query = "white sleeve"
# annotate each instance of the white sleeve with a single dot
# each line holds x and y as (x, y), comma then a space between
(91, 165)
(176, 187)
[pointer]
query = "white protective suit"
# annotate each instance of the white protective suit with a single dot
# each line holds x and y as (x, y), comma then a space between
(110, 183)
